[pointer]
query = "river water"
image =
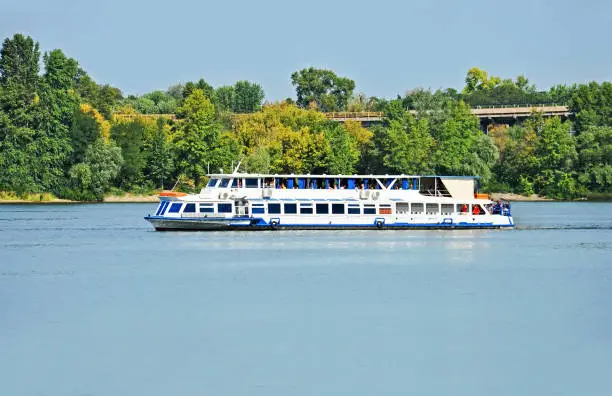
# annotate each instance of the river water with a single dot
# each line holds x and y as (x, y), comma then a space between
(94, 302)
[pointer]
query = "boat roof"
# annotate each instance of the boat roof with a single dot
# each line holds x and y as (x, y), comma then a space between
(310, 176)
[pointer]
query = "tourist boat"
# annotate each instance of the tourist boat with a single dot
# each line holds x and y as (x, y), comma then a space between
(244, 201)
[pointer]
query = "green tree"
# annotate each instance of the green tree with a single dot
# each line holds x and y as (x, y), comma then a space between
(595, 159)
(462, 149)
(202, 85)
(160, 163)
(555, 151)
(19, 69)
(197, 139)
(322, 87)
(226, 97)
(104, 160)
(408, 147)
(130, 137)
(592, 105)
(248, 97)
(91, 179)
(343, 154)
(83, 132)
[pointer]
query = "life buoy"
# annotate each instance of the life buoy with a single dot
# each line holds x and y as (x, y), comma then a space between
(379, 224)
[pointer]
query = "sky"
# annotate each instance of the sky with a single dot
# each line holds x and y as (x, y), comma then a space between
(387, 47)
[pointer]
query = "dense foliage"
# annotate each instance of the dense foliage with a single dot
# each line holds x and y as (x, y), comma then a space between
(61, 132)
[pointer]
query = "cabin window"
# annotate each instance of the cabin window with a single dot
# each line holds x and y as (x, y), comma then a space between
(432, 208)
(384, 209)
(402, 208)
(258, 209)
(322, 208)
(338, 208)
(175, 207)
(189, 208)
(251, 183)
(478, 210)
(206, 208)
(354, 209)
(224, 208)
(290, 208)
(417, 208)
(448, 208)
(306, 209)
(162, 208)
(212, 183)
(274, 208)
(224, 183)
(369, 209)
(463, 208)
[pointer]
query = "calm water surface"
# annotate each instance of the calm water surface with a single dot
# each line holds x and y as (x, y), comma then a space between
(94, 302)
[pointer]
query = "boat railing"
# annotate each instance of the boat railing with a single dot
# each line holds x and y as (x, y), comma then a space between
(435, 193)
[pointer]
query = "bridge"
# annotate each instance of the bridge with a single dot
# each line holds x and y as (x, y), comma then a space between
(489, 115)
(507, 114)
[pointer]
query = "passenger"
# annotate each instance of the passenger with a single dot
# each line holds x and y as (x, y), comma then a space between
(506, 208)
(476, 210)
(464, 208)
(283, 186)
(497, 209)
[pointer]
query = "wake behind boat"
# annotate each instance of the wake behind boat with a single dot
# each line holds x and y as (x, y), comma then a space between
(244, 201)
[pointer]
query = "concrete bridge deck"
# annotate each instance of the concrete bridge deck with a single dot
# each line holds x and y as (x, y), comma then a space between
(486, 114)
(480, 112)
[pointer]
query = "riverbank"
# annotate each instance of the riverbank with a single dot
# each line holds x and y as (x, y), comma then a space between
(49, 199)
(517, 197)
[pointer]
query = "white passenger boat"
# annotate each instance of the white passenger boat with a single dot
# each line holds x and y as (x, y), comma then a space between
(244, 201)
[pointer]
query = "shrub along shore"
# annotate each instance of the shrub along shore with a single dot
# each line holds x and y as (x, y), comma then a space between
(65, 137)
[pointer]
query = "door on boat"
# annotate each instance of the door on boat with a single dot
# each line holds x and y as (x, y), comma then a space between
(242, 209)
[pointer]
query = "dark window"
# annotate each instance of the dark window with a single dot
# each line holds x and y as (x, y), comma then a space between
(162, 208)
(258, 210)
(354, 209)
(274, 208)
(206, 209)
(322, 208)
(224, 208)
(234, 183)
(290, 208)
(189, 208)
(305, 209)
(224, 183)
(369, 209)
(338, 208)
(251, 183)
(211, 183)
(175, 207)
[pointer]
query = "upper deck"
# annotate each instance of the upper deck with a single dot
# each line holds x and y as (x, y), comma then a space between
(249, 185)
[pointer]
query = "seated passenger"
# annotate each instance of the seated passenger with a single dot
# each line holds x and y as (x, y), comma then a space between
(476, 210)
(464, 208)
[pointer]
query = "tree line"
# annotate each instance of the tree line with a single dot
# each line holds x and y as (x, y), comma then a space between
(59, 133)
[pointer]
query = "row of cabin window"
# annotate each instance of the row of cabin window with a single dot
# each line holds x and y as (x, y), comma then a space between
(191, 208)
(318, 208)
(404, 184)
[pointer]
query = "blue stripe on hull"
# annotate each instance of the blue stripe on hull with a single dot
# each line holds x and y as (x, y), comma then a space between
(260, 224)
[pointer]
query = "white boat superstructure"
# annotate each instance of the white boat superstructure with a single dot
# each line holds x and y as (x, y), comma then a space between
(239, 201)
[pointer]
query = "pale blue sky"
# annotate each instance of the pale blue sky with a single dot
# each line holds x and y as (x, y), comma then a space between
(386, 46)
